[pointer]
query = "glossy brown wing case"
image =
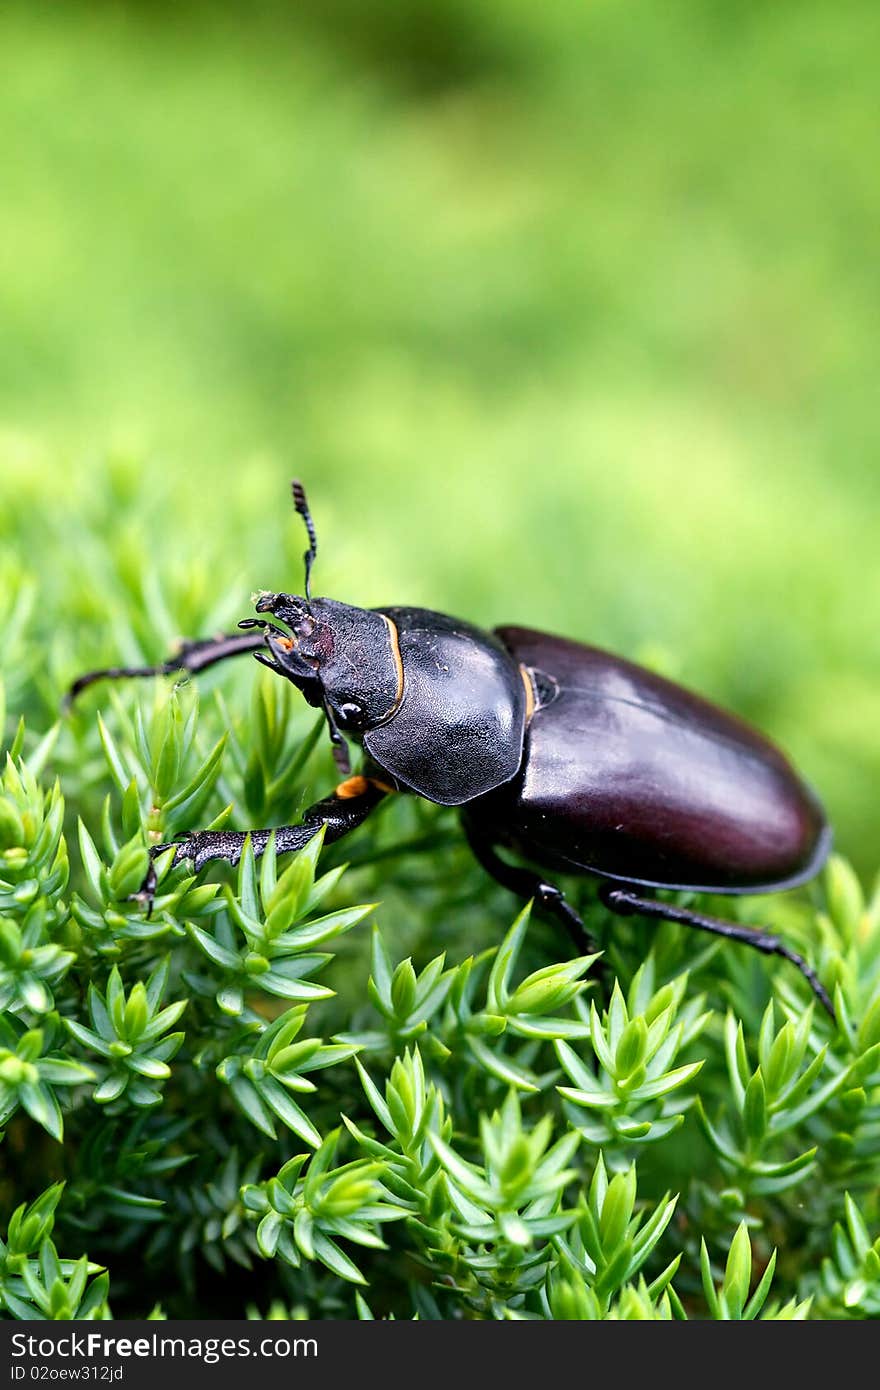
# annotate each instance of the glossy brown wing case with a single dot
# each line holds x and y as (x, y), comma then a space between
(631, 777)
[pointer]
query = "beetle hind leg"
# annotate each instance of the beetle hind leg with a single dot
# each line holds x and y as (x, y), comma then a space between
(623, 901)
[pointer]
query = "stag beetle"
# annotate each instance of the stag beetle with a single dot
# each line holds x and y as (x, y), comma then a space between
(574, 760)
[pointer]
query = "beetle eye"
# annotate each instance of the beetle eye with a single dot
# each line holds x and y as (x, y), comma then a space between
(351, 711)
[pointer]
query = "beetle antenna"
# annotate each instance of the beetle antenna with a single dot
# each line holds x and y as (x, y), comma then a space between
(302, 506)
(340, 748)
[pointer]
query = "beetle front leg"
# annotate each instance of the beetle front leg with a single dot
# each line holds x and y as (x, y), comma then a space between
(526, 884)
(193, 656)
(623, 901)
(347, 808)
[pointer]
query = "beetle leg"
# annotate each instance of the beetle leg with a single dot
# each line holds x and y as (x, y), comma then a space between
(526, 884)
(340, 813)
(624, 901)
(192, 656)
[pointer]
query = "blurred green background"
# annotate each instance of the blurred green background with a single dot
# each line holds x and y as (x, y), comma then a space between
(567, 314)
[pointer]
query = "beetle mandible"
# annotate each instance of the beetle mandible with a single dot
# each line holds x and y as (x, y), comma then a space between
(574, 760)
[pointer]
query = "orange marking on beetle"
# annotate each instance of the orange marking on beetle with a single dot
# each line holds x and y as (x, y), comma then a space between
(530, 692)
(359, 786)
(398, 662)
(353, 786)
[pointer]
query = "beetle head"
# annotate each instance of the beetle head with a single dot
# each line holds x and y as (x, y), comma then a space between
(342, 658)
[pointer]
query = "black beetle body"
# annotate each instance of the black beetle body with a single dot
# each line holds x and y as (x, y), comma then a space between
(576, 760)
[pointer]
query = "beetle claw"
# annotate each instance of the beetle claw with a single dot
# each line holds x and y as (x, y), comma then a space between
(145, 895)
(266, 660)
